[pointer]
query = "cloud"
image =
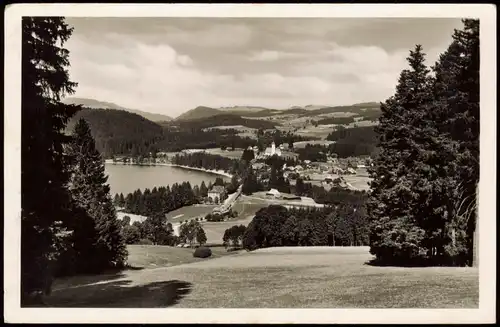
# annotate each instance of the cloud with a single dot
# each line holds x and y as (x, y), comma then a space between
(266, 55)
(170, 66)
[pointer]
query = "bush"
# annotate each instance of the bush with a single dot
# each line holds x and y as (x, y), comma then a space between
(202, 252)
(145, 241)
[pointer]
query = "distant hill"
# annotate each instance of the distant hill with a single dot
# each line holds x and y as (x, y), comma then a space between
(243, 109)
(198, 113)
(118, 131)
(226, 119)
(360, 109)
(95, 104)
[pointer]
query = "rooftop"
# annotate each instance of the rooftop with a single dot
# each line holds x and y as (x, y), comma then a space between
(217, 189)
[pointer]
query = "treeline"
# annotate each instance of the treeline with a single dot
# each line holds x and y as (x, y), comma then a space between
(209, 161)
(68, 222)
(336, 121)
(353, 142)
(161, 200)
(334, 196)
(423, 202)
(313, 152)
(156, 230)
(275, 225)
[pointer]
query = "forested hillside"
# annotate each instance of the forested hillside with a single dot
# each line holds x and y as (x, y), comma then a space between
(355, 141)
(92, 103)
(120, 132)
(117, 132)
(198, 113)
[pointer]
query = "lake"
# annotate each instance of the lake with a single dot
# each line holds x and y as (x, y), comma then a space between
(128, 178)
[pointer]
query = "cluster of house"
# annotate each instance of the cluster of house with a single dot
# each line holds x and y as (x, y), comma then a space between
(270, 151)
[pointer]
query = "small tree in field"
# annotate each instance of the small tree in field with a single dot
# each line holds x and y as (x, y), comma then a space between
(201, 237)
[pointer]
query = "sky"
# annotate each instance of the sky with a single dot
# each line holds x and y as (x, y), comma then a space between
(171, 65)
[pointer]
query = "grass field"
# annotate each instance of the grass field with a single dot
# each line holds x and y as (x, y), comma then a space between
(189, 212)
(236, 154)
(359, 182)
(246, 209)
(321, 131)
(301, 277)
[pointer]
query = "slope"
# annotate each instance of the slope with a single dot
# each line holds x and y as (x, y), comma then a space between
(118, 131)
(95, 104)
(198, 113)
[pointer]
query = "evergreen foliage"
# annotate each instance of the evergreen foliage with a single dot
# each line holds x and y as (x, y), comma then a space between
(343, 225)
(162, 200)
(423, 193)
(45, 201)
(98, 240)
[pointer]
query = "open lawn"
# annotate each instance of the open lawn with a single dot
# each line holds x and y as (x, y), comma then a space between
(189, 212)
(300, 277)
(321, 131)
(246, 209)
(156, 256)
(236, 154)
(358, 182)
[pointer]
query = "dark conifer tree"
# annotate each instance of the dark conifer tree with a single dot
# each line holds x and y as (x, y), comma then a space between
(395, 233)
(45, 201)
(90, 191)
(456, 111)
(203, 189)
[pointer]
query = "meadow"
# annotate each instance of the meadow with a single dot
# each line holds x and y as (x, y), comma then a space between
(189, 212)
(299, 277)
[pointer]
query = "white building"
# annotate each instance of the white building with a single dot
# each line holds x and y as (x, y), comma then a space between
(271, 151)
(216, 193)
(274, 193)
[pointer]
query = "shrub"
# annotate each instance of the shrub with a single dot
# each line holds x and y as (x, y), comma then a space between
(202, 252)
(145, 241)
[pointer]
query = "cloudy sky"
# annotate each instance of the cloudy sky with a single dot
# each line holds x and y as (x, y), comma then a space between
(171, 65)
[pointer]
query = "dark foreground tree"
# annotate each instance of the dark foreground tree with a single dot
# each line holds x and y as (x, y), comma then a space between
(423, 199)
(395, 234)
(105, 247)
(456, 111)
(45, 201)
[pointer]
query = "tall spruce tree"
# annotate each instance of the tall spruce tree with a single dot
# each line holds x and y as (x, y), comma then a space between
(45, 201)
(91, 193)
(456, 111)
(395, 233)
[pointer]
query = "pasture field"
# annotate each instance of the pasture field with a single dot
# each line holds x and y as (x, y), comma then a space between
(298, 277)
(189, 212)
(157, 256)
(359, 182)
(321, 131)
(236, 154)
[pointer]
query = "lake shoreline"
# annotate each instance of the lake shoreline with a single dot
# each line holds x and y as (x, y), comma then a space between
(209, 171)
